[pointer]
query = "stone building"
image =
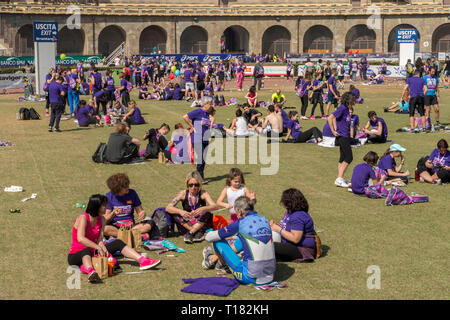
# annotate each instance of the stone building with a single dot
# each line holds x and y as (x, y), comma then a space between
(89, 27)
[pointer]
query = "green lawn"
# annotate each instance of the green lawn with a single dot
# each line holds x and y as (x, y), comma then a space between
(410, 244)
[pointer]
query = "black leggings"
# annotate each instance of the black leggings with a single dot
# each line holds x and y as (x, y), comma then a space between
(444, 175)
(373, 138)
(91, 120)
(304, 100)
(419, 103)
(317, 99)
(345, 147)
(306, 135)
(285, 251)
(76, 259)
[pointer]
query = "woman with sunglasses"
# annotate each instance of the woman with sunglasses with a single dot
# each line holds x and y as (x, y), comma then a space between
(195, 217)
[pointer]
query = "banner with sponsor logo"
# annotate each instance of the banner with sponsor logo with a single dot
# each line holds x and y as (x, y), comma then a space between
(392, 71)
(269, 70)
(193, 57)
(12, 62)
(14, 80)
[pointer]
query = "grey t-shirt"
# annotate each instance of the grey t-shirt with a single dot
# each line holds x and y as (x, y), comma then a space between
(116, 146)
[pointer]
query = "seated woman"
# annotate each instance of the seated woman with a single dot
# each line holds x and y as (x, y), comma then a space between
(117, 111)
(296, 229)
(143, 92)
(169, 91)
(178, 93)
(122, 201)
(134, 116)
(122, 148)
(87, 237)
(401, 106)
(436, 169)
(195, 217)
(297, 135)
(388, 167)
(379, 131)
(239, 126)
(376, 79)
(354, 123)
(85, 116)
(252, 97)
(258, 264)
(363, 172)
(208, 92)
(356, 92)
(157, 142)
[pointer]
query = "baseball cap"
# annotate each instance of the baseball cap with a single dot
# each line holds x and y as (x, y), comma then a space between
(396, 147)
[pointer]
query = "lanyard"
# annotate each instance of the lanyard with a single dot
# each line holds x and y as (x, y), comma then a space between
(193, 205)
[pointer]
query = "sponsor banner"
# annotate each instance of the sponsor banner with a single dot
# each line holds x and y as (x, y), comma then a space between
(12, 62)
(193, 57)
(45, 31)
(406, 36)
(392, 71)
(269, 70)
(14, 80)
(342, 56)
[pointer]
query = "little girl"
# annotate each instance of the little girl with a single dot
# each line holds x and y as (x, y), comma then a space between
(239, 76)
(252, 97)
(239, 126)
(365, 171)
(234, 189)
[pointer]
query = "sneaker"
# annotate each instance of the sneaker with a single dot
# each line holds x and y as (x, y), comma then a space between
(188, 238)
(205, 181)
(340, 182)
(312, 117)
(222, 267)
(304, 118)
(47, 114)
(93, 277)
(147, 263)
(437, 181)
(58, 130)
(50, 129)
(199, 236)
(206, 263)
(324, 116)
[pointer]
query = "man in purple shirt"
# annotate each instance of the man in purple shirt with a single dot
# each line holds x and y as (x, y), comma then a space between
(56, 95)
(340, 122)
(416, 86)
(199, 122)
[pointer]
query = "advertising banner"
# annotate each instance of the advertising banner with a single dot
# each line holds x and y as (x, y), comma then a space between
(269, 70)
(12, 62)
(193, 57)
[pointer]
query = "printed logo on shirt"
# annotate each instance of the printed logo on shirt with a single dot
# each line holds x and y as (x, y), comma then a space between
(126, 210)
(129, 202)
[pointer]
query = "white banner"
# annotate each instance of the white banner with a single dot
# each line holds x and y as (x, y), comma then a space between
(14, 80)
(269, 69)
(392, 71)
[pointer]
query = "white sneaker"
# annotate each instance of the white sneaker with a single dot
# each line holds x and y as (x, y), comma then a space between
(340, 182)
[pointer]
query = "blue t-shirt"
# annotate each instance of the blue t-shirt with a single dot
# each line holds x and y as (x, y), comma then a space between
(360, 177)
(300, 221)
(295, 128)
(343, 121)
(127, 203)
(431, 83)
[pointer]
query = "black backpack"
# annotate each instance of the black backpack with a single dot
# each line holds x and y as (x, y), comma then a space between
(100, 154)
(34, 114)
(24, 114)
(159, 217)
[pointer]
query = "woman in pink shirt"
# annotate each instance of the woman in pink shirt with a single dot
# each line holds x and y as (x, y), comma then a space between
(87, 237)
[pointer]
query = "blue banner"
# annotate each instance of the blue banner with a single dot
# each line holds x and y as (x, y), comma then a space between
(406, 36)
(193, 57)
(45, 31)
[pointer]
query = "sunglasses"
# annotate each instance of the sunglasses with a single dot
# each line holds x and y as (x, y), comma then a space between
(194, 185)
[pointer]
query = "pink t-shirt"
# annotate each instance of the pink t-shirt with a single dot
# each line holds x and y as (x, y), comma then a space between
(91, 232)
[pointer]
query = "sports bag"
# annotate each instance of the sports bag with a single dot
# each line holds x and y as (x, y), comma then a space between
(163, 221)
(24, 114)
(34, 114)
(397, 196)
(99, 154)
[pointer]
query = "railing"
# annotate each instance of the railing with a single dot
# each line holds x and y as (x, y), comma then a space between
(119, 51)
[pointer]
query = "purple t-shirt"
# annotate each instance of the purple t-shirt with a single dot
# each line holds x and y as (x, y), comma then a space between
(332, 83)
(285, 117)
(201, 75)
(99, 95)
(123, 83)
(83, 115)
(300, 221)
(127, 203)
(137, 116)
(54, 92)
(317, 83)
(387, 162)
(295, 128)
(354, 121)
(360, 177)
(72, 81)
(343, 121)
(110, 83)
(199, 118)
(187, 76)
(416, 85)
(439, 159)
(305, 84)
(326, 132)
(355, 92)
(97, 81)
(384, 131)
(177, 94)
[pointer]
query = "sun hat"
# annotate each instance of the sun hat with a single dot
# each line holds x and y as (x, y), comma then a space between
(396, 147)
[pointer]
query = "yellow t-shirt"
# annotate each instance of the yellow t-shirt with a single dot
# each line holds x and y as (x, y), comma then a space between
(278, 98)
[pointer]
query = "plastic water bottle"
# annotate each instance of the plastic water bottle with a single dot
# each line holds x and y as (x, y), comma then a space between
(80, 205)
(110, 266)
(432, 128)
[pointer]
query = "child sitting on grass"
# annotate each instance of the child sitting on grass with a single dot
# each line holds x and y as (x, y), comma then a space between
(363, 172)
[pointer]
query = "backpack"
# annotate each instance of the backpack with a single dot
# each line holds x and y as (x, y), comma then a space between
(327, 72)
(34, 114)
(409, 68)
(99, 155)
(24, 114)
(163, 222)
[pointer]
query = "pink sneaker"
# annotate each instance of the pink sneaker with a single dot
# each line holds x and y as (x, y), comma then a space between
(147, 263)
(324, 117)
(145, 236)
(83, 269)
(47, 114)
(312, 117)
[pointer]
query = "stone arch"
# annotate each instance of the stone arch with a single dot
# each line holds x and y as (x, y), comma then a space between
(441, 39)
(235, 39)
(24, 41)
(393, 46)
(318, 39)
(70, 41)
(109, 39)
(194, 39)
(276, 40)
(360, 37)
(151, 37)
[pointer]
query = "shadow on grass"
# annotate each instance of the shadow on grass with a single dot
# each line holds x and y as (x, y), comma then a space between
(283, 272)
(218, 178)
(325, 250)
(77, 129)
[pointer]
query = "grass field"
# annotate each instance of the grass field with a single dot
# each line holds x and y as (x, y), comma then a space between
(410, 244)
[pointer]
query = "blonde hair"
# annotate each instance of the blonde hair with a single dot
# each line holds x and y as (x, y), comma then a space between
(122, 127)
(194, 175)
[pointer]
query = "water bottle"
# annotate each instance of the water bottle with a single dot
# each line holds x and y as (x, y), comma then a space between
(110, 266)
(432, 128)
(80, 205)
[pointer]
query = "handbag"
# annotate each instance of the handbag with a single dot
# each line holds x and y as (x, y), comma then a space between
(101, 266)
(161, 158)
(137, 238)
(317, 242)
(125, 234)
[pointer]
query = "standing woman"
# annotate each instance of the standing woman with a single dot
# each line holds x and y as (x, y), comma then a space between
(305, 87)
(195, 217)
(317, 97)
(49, 78)
(123, 90)
(239, 76)
(340, 122)
(110, 88)
(419, 66)
(87, 237)
(296, 229)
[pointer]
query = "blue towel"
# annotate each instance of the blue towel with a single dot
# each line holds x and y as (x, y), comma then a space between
(218, 286)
